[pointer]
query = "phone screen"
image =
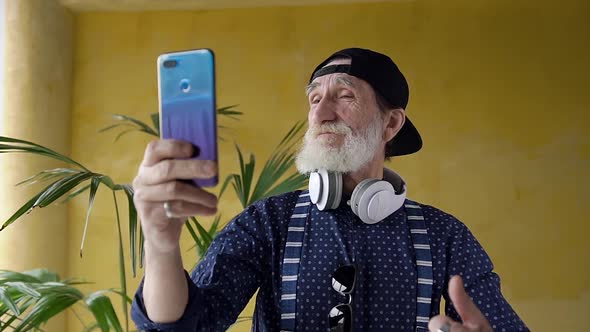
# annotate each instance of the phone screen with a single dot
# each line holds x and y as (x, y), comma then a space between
(186, 91)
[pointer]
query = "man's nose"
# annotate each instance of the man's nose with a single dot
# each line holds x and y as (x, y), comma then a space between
(324, 111)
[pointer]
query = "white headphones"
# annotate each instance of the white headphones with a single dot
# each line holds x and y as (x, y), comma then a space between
(372, 200)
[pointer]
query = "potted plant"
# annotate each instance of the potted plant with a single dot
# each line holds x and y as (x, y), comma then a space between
(31, 298)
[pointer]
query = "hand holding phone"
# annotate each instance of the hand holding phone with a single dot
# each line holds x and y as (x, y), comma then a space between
(186, 93)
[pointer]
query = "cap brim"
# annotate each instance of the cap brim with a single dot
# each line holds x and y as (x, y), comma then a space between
(407, 140)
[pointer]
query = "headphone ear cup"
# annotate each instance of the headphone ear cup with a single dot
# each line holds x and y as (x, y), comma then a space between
(325, 189)
(335, 187)
(373, 200)
(358, 192)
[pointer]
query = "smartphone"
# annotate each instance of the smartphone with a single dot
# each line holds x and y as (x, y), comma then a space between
(186, 94)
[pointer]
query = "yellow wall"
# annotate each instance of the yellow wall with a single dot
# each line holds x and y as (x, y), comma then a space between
(37, 94)
(498, 90)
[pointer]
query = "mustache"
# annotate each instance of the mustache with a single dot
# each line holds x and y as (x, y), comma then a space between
(334, 127)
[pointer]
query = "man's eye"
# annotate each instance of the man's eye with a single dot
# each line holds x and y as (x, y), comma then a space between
(315, 100)
(347, 96)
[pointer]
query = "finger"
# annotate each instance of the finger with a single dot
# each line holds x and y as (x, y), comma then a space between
(175, 191)
(438, 323)
(161, 149)
(183, 209)
(172, 169)
(465, 307)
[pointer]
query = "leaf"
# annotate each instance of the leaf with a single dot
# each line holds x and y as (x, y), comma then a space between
(123, 133)
(8, 302)
(294, 182)
(191, 231)
(11, 276)
(225, 183)
(113, 126)
(75, 194)
(60, 188)
(47, 174)
(104, 313)
(281, 160)
(206, 239)
(132, 228)
(214, 226)
(24, 288)
(229, 112)
(42, 275)
(203, 232)
(156, 121)
(56, 300)
(141, 251)
(243, 182)
(26, 208)
(17, 145)
(94, 184)
(122, 272)
(141, 126)
(123, 295)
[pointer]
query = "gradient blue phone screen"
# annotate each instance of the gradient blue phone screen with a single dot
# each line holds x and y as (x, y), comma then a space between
(187, 96)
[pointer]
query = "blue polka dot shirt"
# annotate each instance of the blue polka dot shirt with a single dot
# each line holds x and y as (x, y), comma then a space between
(247, 256)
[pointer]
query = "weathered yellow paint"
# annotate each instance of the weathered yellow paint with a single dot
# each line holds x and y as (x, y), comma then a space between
(143, 5)
(37, 108)
(498, 90)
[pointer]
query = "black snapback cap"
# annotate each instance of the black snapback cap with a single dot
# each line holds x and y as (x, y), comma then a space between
(385, 78)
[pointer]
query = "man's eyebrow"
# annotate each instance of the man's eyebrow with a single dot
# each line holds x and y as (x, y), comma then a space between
(310, 87)
(340, 79)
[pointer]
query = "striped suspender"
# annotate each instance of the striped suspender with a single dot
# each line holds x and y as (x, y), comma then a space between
(421, 244)
(292, 256)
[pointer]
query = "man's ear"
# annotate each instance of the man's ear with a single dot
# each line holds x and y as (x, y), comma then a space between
(394, 121)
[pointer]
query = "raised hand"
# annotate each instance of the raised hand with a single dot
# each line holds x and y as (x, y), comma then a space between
(473, 319)
(157, 184)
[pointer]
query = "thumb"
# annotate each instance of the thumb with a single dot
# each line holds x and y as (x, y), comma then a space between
(438, 323)
(465, 307)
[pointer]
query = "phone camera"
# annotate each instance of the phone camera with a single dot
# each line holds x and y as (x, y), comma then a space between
(170, 63)
(185, 85)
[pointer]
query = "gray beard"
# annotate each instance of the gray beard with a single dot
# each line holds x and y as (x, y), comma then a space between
(352, 155)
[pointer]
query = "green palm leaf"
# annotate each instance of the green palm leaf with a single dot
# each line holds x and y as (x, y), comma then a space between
(8, 144)
(243, 182)
(26, 208)
(140, 125)
(101, 307)
(133, 124)
(60, 188)
(155, 117)
(8, 301)
(94, 184)
(38, 297)
(281, 160)
(191, 231)
(229, 112)
(122, 270)
(54, 298)
(75, 194)
(269, 181)
(11, 276)
(46, 175)
(128, 189)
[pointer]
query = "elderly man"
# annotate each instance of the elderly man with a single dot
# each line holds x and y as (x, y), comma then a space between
(350, 253)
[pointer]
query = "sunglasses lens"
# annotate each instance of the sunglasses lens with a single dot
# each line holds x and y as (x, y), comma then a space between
(343, 279)
(340, 318)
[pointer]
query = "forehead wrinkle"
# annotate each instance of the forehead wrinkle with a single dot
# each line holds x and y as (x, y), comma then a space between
(345, 81)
